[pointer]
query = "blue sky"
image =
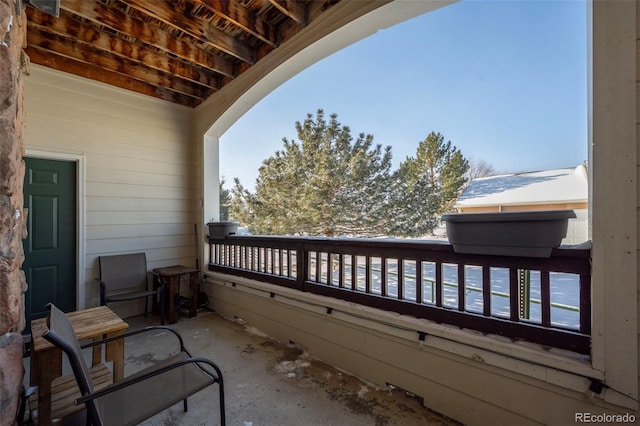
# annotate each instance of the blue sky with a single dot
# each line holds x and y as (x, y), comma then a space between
(504, 81)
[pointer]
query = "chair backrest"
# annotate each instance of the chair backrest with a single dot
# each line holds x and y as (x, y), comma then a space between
(124, 272)
(61, 334)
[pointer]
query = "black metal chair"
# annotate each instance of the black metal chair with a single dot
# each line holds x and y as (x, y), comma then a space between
(125, 277)
(143, 394)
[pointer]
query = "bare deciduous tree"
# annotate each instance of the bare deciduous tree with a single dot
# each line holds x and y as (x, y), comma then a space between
(478, 169)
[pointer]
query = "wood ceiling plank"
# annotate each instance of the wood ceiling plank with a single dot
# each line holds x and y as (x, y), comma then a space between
(242, 17)
(313, 10)
(182, 19)
(73, 29)
(148, 46)
(140, 30)
(81, 52)
(83, 69)
(295, 10)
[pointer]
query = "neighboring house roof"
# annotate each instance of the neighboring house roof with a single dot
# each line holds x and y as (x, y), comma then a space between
(542, 187)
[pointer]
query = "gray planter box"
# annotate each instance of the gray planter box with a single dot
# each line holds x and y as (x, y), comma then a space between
(219, 230)
(528, 234)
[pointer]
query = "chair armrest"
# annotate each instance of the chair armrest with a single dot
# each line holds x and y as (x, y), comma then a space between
(133, 333)
(128, 382)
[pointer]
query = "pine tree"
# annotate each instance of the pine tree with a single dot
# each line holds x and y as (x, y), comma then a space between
(427, 185)
(325, 184)
(225, 200)
(239, 210)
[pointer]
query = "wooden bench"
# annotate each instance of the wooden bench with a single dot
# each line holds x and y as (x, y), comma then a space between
(64, 392)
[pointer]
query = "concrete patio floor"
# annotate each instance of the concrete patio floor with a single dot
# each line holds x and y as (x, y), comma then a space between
(269, 382)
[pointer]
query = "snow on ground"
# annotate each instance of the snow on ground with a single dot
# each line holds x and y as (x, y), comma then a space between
(564, 288)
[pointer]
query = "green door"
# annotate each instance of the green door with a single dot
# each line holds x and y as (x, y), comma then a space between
(50, 248)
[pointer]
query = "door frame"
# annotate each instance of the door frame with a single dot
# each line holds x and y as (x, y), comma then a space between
(80, 162)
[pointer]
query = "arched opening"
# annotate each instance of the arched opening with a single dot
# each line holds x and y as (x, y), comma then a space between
(612, 145)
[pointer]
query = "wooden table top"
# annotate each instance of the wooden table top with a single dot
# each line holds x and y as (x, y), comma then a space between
(174, 270)
(88, 323)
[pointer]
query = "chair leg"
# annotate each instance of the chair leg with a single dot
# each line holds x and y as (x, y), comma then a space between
(184, 404)
(162, 290)
(146, 306)
(223, 415)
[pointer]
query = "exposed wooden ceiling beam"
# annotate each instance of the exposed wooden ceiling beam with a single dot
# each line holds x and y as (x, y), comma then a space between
(295, 10)
(178, 16)
(54, 61)
(85, 53)
(242, 17)
(73, 29)
(178, 50)
(138, 29)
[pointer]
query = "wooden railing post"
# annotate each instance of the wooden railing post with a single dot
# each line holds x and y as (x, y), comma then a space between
(302, 266)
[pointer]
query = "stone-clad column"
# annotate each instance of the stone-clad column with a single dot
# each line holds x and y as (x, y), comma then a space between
(13, 62)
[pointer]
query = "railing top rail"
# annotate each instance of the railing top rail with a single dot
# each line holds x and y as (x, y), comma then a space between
(572, 259)
(439, 245)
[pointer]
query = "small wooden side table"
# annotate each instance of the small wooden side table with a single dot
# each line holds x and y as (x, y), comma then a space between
(170, 280)
(46, 359)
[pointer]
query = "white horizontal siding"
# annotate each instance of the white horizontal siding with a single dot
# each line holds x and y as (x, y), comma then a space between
(134, 204)
(97, 232)
(136, 218)
(93, 97)
(105, 141)
(578, 228)
(114, 245)
(114, 189)
(142, 165)
(139, 176)
(156, 178)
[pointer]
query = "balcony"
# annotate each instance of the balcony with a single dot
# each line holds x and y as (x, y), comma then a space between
(339, 302)
(455, 330)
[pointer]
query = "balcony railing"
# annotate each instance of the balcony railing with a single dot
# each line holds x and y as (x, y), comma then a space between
(540, 300)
